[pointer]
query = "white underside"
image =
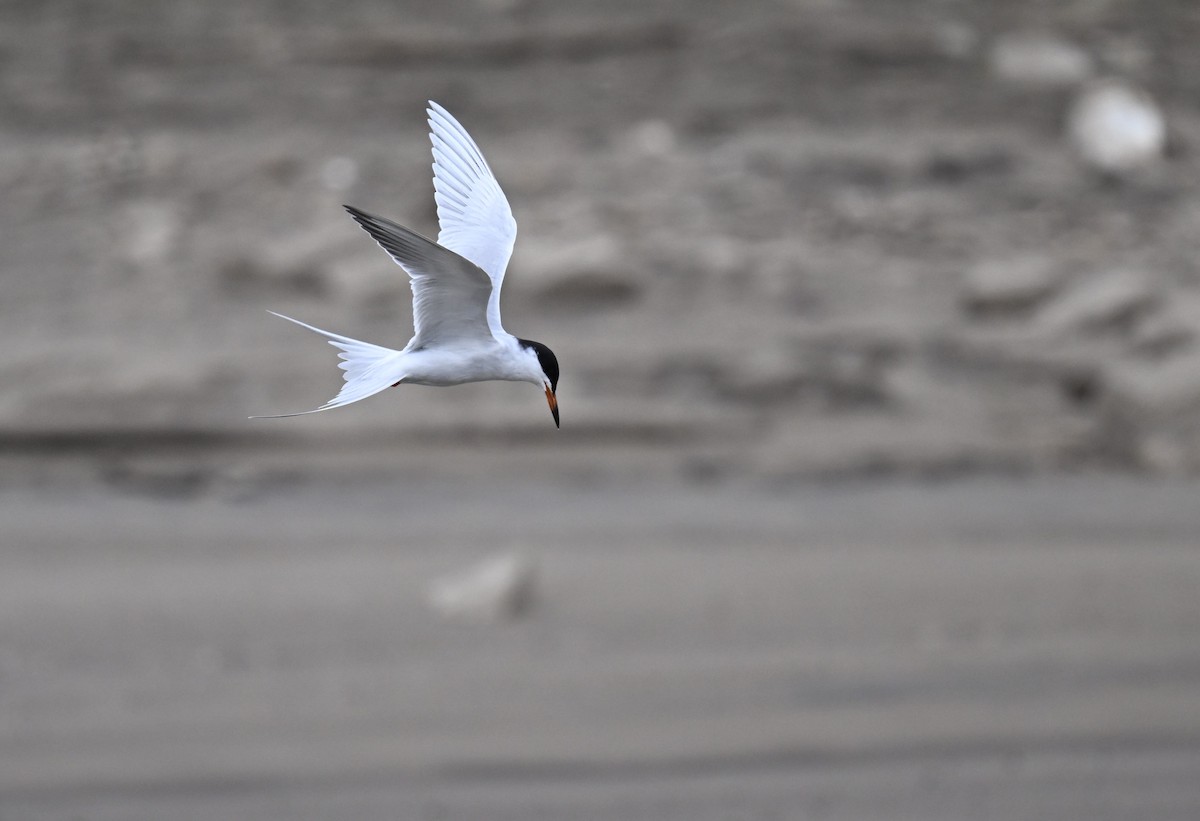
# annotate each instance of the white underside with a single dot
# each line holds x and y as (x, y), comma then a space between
(370, 369)
(505, 361)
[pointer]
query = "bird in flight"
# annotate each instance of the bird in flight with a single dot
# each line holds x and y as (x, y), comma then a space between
(457, 335)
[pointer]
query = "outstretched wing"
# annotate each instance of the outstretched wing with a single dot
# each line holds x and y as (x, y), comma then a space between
(475, 218)
(450, 293)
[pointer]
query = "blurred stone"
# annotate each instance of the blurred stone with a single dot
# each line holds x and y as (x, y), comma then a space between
(1038, 59)
(950, 166)
(339, 173)
(854, 373)
(298, 262)
(151, 230)
(879, 445)
(1157, 407)
(1127, 54)
(368, 283)
(1172, 327)
(1168, 387)
(1009, 286)
(496, 589)
(1113, 300)
(841, 373)
(956, 40)
(1166, 455)
(283, 169)
(151, 391)
(774, 271)
(586, 293)
(652, 138)
(583, 276)
(1116, 127)
(764, 374)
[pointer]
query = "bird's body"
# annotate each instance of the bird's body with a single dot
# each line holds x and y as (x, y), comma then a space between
(456, 281)
(503, 360)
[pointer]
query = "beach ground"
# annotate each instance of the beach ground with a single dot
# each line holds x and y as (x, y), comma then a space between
(987, 648)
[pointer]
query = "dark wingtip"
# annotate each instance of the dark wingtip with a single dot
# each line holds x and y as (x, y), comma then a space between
(360, 215)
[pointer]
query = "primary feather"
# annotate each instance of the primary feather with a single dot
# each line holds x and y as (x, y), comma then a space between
(450, 293)
(474, 215)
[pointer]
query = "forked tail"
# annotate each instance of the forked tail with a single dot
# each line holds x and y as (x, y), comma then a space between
(368, 369)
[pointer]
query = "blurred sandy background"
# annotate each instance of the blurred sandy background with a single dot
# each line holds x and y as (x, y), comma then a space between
(875, 495)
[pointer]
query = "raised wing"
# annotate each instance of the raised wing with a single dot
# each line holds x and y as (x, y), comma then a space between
(476, 221)
(450, 293)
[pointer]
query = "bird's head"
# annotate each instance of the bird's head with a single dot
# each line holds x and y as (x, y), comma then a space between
(545, 372)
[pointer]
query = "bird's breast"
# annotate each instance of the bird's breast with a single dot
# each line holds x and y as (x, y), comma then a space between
(442, 367)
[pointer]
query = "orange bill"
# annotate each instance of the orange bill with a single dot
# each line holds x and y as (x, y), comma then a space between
(552, 401)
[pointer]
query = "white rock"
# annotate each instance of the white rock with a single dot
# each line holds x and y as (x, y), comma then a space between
(501, 587)
(1036, 59)
(1116, 127)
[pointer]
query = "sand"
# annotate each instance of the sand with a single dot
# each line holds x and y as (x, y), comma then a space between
(860, 651)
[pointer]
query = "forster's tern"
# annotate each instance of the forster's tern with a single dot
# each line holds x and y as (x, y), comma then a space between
(457, 335)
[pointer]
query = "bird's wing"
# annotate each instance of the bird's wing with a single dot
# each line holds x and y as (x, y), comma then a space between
(450, 293)
(475, 218)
